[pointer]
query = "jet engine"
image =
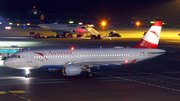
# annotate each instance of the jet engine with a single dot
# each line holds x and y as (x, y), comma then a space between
(71, 70)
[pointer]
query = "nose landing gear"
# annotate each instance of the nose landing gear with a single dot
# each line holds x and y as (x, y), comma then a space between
(27, 73)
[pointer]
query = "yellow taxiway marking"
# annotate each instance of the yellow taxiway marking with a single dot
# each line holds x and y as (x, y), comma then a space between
(17, 91)
(3, 92)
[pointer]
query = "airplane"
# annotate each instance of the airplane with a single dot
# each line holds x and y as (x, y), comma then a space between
(61, 29)
(74, 61)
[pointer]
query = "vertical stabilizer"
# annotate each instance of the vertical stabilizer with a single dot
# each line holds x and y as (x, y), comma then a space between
(43, 18)
(151, 38)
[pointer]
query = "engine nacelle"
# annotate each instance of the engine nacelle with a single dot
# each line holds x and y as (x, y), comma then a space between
(71, 70)
(52, 69)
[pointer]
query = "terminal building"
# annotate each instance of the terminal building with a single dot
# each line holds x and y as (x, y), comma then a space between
(6, 52)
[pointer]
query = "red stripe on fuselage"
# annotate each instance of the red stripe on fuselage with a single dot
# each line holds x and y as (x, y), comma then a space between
(145, 44)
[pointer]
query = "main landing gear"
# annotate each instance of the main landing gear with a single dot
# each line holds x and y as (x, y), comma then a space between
(89, 73)
(27, 73)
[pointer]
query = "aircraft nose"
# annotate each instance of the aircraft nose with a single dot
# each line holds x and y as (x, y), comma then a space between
(6, 63)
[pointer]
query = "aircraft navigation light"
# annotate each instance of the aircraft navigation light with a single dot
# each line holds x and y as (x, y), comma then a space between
(126, 61)
(80, 23)
(72, 48)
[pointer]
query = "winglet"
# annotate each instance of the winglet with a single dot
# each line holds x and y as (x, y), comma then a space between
(151, 38)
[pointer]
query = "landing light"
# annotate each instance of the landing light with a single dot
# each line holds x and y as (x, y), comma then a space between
(27, 71)
(126, 61)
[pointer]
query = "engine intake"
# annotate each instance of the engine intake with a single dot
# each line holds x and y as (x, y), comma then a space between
(71, 70)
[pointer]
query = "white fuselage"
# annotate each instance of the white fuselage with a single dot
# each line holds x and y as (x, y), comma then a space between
(69, 28)
(34, 59)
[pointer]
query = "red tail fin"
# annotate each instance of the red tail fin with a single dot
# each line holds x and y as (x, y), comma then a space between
(151, 38)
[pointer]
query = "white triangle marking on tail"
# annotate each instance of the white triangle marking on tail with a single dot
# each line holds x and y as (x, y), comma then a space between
(151, 38)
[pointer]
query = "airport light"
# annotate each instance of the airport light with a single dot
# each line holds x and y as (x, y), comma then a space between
(8, 27)
(138, 23)
(0, 23)
(10, 23)
(71, 22)
(91, 25)
(80, 23)
(152, 22)
(17, 24)
(28, 24)
(103, 23)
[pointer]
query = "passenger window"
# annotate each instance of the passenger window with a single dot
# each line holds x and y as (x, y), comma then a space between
(5, 51)
(10, 51)
(15, 51)
(15, 56)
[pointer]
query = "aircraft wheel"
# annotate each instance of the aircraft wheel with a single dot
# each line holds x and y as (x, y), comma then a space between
(27, 75)
(89, 74)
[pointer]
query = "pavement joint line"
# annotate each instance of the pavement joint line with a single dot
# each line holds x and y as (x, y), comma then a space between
(22, 97)
(28, 100)
(17, 91)
(15, 94)
(152, 74)
(3, 92)
(147, 83)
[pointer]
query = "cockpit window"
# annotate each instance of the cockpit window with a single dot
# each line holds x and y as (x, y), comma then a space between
(15, 56)
(83, 27)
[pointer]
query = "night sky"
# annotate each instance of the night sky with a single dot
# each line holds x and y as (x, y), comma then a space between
(119, 8)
